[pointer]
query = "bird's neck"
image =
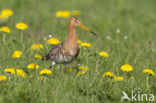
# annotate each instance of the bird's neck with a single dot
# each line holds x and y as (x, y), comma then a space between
(71, 34)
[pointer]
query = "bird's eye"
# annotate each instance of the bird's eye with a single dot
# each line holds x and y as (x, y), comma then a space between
(74, 20)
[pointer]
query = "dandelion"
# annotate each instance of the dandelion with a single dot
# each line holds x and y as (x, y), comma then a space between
(3, 16)
(5, 29)
(76, 12)
(10, 70)
(7, 12)
(62, 14)
(81, 72)
(85, 44)
(109, 74)
(37, 56)
(45, 72)
(84, 68)
(79, 41)
(104, 54)
(36, 46)
(33, 66)
(149, 71)
(20, 72)
(53, 41)
(21, 26)
(119, 78)
(3, 78)
(126, 68)
(16, 54)
(68, 70)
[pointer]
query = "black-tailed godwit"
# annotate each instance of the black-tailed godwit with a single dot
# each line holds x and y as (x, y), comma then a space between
(68, 50)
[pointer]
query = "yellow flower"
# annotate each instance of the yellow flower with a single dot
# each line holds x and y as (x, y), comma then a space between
(21, 26)
(20, 72)
(119, 78)
(104, 54)
(79, 41)
(63, 14)
(149, 71)
(126, 67)
(37, 56)
(110, 74)
(85, 68)
(85, 44)
(68, 70)
(5, 29)
(53, 41)
(36, 46)
(10, 70)
(16, 54)
(33, 66)
(76, 12)
(3, 78)
(45, 71)
(3, 16)
(81, 72)
(7, 12)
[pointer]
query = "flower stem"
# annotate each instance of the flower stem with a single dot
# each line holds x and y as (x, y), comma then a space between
(21, 36)
(4, 39)
(147, 79)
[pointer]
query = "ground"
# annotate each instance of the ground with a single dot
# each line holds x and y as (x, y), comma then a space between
(126, 31)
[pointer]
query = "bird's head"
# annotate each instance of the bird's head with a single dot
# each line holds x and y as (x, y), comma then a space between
(75, 21)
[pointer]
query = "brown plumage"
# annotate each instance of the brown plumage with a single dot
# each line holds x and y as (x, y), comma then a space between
(68, 50)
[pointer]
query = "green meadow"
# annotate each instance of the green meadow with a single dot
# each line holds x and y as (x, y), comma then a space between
(126, 32)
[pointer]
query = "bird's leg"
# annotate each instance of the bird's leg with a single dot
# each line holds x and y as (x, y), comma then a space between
(74, 65)
(53, 63)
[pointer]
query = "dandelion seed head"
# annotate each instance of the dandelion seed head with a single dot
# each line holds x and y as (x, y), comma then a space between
(45, 38)
(125, 37)
(117, 30)
(108, 37)
(50, 36)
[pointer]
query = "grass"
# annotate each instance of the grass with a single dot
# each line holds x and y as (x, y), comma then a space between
(135, 19)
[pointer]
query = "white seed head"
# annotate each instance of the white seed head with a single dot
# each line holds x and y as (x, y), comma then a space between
(45, 38)
(50, 36)
(108, 37)
(125, 37)
(117, 30)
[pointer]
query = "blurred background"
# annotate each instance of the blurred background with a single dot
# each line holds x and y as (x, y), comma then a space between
(126, 31)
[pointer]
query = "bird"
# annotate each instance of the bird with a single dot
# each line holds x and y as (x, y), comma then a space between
(67, 51)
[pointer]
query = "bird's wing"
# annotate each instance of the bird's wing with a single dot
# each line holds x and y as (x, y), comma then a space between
(56, 50)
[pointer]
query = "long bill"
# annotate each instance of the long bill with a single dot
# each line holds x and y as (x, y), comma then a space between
(80, 25)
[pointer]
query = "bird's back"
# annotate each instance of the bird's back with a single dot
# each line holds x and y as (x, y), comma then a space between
(60, 54)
